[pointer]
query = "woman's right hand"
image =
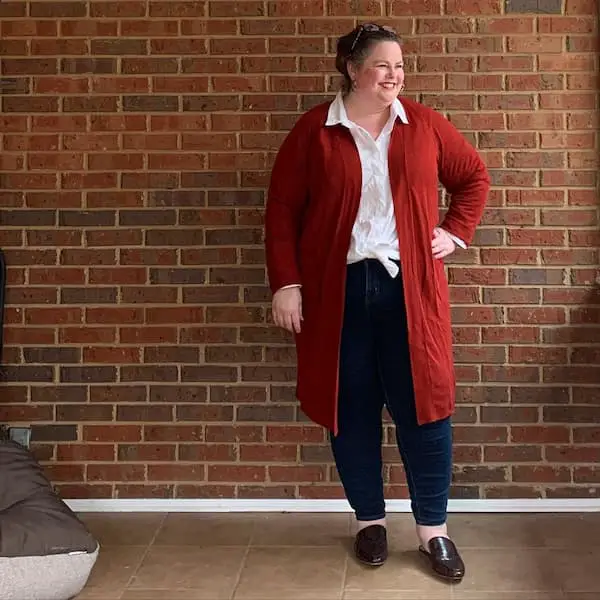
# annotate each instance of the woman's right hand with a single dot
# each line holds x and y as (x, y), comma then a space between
(287, 308)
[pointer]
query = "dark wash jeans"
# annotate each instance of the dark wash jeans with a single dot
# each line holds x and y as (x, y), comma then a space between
(375, 372)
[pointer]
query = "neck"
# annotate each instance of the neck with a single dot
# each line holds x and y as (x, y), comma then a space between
(359, 108)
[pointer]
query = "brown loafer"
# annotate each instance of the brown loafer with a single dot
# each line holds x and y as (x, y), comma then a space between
(444, 558)
(370, 545)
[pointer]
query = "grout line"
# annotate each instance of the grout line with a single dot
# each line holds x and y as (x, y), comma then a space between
(145, 554)
(244, 558)
(242, 566)
(344, 576)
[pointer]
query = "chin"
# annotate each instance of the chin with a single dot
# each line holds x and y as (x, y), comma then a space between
(389, 93)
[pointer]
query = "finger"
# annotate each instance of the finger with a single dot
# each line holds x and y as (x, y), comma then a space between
(277, 318)
(289, 325)
(281, 319)
(296, 322)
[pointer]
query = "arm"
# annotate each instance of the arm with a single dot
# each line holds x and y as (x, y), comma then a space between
(286, 199)
(464, 175)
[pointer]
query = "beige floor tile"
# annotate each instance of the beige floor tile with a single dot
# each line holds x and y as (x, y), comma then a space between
(123, 529)
(301, 529)
(404, 571)
(95, 595)
(398, 595)
(201, 529)
(508, 570)
(211, 571)
(569, 530)
(270, 573)
(99, 596)
(113, 570)
(495, 531)
(578, 570)
(164, 594)
(460, 594)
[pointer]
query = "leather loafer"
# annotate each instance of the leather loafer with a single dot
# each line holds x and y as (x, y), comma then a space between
(370, 545)
(444, 558)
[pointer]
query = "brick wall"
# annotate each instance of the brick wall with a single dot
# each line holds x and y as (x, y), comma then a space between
(136, 143)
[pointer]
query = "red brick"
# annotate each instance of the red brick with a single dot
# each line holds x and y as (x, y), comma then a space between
(566, 24)
(112, 433)
(540, 474)
(512, 454)
(88, 28)
(238, 473)
(64, 472)
(176, 472)
(116, 472)
(148, 27)
(176, 8)
(133, 8)
(539, 434)
(85, 452)
(209, 27)
(566, 63)
(300, 474)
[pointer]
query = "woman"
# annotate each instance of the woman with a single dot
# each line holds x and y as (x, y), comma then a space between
(354, 258)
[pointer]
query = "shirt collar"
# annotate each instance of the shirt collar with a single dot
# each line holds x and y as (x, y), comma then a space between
(337, 112)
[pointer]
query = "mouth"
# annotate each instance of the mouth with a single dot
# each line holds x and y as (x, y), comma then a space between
(388, 85)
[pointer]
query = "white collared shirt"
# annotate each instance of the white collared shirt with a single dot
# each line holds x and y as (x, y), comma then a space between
(374, 234)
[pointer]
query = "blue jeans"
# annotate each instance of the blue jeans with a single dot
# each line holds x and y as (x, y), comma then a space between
(375, 372)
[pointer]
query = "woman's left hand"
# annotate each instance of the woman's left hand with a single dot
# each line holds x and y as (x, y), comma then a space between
(442, 244)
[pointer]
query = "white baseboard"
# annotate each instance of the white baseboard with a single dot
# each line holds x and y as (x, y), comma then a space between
(178, 505)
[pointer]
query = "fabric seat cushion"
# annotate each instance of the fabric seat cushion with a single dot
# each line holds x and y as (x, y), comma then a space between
(46, 552)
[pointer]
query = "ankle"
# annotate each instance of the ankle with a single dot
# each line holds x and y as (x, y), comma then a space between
(425, 533)
(363, 524)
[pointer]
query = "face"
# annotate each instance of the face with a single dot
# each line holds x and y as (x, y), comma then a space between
(381, 75)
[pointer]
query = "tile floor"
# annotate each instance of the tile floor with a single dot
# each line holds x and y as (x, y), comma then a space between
(309, 557)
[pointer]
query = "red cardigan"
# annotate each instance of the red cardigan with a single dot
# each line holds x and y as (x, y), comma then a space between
(312, 204)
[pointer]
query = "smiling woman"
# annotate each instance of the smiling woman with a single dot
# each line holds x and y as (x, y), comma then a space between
(387, 62)
(354, 256)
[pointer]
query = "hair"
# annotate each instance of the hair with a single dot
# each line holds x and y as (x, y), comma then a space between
(355, 47)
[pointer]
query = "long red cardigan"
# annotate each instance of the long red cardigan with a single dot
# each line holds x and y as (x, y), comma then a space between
(312, 204)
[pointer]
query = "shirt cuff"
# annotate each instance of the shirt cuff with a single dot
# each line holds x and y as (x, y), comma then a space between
(457, 240)
(291, 285)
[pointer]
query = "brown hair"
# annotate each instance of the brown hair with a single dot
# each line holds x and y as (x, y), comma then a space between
(355, 47)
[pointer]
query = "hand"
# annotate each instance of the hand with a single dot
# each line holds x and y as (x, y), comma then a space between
(442, 244)
(287, 309)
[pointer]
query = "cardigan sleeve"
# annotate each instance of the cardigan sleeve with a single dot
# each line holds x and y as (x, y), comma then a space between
(286, 199)
(464, 175)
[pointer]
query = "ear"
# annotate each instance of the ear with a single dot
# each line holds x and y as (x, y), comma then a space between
(352, 70)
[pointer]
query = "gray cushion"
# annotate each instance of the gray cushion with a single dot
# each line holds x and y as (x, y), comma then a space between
(46, 552)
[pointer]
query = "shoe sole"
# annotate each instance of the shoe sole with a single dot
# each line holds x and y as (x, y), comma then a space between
(370, 563)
